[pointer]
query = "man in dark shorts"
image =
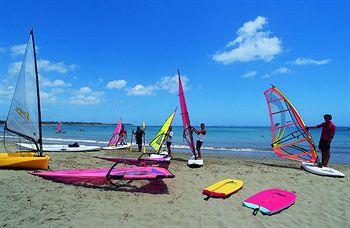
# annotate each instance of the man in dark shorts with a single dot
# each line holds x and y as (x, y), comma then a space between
(169, 139)
(201, 135)
(328, 132)
(138, 136)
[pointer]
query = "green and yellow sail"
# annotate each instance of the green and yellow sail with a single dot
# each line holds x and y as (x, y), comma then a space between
(160, 137)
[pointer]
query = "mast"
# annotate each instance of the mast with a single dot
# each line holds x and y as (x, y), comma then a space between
(40, 140)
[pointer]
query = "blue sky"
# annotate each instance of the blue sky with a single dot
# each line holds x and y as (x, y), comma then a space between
(101, 61)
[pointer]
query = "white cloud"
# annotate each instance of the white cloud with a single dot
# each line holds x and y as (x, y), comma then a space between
(14, 68)
(6, 93)
(116, 84)
(170, 83)
(2, 49)
(140, 90)
(56, 83)
(249, 74)
(309, 61)
(84, 90)
(281, 70)
(59, 67)
(48, 97)
(84, 100)
(43, 65)
(86, 96)
(251, 44)
(18, 50)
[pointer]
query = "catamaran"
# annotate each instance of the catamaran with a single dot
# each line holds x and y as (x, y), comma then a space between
(115, 141)
(290, 138)
(193, 161)
(24, 117)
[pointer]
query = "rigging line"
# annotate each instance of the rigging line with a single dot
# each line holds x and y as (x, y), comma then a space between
(281, 140)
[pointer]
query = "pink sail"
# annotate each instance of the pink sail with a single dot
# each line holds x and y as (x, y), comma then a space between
(102, 176)
(115, 136)
(187, 131)
(59, 127)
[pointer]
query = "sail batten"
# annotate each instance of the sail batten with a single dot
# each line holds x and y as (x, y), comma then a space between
(290, 139)
(24, 117)
(187, 128)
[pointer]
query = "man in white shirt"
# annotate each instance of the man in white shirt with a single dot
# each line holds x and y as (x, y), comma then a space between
(169, 139)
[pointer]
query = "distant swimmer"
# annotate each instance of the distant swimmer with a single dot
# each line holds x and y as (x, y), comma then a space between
(139, 134)
(201, 135)
(327, 135)
(169, 139)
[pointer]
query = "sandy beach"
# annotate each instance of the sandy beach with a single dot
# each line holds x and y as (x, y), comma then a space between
(32, 201)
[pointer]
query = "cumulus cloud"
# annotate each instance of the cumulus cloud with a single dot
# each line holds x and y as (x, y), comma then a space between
(43, 65)
(84, 100)
(251, 44)
(309, 61)
(140, 90)
(86, 96)
(249, 74)
(168, 83)
(2, 49)
(18, 50)
(14, 68)
(84, 90)
(55, 83)
(59, 67)
(48, 97)
(116, 84)
(281, 70)
(6, 93)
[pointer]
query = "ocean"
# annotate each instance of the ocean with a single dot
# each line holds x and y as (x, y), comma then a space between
(245, 141)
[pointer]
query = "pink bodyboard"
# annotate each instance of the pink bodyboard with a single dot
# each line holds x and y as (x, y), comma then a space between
(271, 201)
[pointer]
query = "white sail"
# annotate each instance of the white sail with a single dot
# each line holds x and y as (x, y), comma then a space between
(24, 114)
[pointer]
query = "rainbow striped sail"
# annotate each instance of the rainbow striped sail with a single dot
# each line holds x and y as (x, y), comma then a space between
(290, 139)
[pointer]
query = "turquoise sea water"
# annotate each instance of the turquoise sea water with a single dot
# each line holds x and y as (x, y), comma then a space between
(247, 141)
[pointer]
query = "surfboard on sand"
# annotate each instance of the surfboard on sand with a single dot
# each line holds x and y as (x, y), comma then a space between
(322, 171)
(223, 188)
(270, 201)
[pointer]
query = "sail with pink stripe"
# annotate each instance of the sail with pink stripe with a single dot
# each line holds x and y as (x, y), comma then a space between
(187, 128)
(115, 136)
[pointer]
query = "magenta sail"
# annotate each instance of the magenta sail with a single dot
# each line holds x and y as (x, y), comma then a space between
(187, 131)
(102, 176)
(59, 127)
(115, 136)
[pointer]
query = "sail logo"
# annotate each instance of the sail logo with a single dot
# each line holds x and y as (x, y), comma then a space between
(23, 114)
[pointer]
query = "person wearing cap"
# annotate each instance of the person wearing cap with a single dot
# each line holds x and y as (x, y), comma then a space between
(328, 132)
(201, 135)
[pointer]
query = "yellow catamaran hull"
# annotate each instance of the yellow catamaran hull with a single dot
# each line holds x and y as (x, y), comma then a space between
(23, 160)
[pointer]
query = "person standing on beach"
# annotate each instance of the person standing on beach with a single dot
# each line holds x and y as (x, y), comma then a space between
(123, 136)
(138, 136)
(328, 132)
(169, 139)
(201, 135)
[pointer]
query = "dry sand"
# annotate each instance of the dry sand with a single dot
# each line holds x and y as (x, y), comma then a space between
(30, 201)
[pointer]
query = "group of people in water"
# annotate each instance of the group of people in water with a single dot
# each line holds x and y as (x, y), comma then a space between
(327, 135)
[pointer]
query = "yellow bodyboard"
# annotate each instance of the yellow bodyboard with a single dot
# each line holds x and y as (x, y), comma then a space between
(224, 188)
